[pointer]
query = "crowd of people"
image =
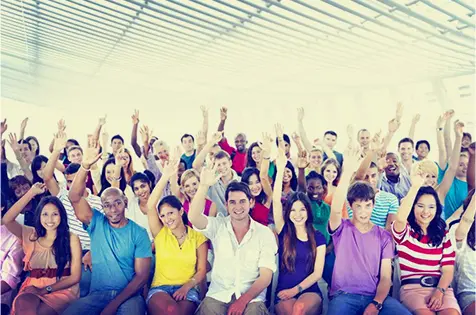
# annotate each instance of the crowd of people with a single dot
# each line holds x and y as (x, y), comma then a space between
(208, 225)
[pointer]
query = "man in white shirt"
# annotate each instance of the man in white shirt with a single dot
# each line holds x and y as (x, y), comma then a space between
(244, 250)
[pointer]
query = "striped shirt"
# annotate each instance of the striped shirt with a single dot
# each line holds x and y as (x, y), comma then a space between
(385, 204)
(418, 258)
(75, 225)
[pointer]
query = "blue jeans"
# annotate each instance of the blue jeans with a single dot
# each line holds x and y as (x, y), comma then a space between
(349, 304)
(95, 302)
(85, 282)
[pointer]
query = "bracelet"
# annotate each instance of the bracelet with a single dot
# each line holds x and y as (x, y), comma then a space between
(441, 290)
(86, 169)
(116, 178)
(440, 129)
(266, 158)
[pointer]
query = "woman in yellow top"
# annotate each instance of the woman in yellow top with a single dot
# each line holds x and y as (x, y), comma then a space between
(180, 253)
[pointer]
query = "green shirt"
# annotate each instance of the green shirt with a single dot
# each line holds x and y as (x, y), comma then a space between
(321, 213)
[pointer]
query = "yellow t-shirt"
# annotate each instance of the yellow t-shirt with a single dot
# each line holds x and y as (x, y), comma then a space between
(175, 266)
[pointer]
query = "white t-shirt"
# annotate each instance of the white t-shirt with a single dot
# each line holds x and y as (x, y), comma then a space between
(134, 213)
(465, 267)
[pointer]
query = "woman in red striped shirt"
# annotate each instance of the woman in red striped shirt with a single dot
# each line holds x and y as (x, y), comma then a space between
(425, 252)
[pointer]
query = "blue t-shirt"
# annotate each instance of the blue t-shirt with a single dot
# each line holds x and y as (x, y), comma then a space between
(113, 251)
(455, 196)
(338, 155)
(189, 159)
(288, 280)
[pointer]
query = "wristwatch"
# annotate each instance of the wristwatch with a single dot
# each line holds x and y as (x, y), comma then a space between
(441, 289)
(49, 289)
(378, 305)
(299, 289)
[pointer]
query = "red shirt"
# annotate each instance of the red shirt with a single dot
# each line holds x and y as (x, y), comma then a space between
(238, 158)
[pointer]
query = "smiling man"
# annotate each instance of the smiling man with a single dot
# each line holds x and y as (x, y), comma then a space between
(244, 251)
(405, 149)
(393, 181)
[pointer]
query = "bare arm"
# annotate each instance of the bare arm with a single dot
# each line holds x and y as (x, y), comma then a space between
(471, 172)
(263, 173)
(450, 173)
(316, 275)
(442, 157)
(59, 144)
(415, 120)
(263, 281)
(97, 131)
(204, 130)
(466, 221)
(200, 158)
(405, 208)
(302, 132)
(223, 117)
(155, 224)
(278, 190)
(385, 281)
(13, 142)
(447, 132)
(135, 126)
(23, 128)
(208, 178)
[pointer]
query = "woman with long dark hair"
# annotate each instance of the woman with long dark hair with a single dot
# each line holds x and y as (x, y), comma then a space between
(462, 235)
(302, 251)
(52, 256)
(37, 166)
(35, 145)
(426, 255)
(108, 178)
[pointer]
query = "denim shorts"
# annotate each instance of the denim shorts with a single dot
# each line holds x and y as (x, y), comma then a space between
(465, 299)
(192, 294)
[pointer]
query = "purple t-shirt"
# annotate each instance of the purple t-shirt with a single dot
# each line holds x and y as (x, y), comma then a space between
(358, 257)
(288, 279)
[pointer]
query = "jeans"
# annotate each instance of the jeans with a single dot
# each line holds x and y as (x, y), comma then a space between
(95, 302)
(349, 304)
(85, 282)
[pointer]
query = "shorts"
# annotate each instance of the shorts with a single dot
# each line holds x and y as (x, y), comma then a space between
(192, 294)
(415, 297)
(465, 299)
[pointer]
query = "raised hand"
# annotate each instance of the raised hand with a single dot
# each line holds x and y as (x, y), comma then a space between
(3, 126)
(13, 142)
(300, 112)
(210, 176)
(440, 123)
(351, 159)
(120, 157)
(382, 163)
(223, 113)
(376, 144)
(146, 134)
(459, 126)
(170, 167)
(201, 140)
(61, 125)
(416, 119)
(448, 114)
(135, 117)
(302, 160)
(266, 144)
(393, 125)
(417, 177)
(399, 112)
(350, 131)
(205, 112)
(60, 141)
(102, 121)
(296, 137)
(91, 154)
(24, 123)
(216, 137)
(38, 189)
(281, 159)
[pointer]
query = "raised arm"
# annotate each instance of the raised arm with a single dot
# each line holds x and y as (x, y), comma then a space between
(208, 178)
(302, 132)
(200, 158)
(297, 141)
(450, 173)
(263, 173)
(135, 126)
(371, 155)
(351, 158)
(48, 173)
(447, 132)
(471, 172)
(24, 123)
(467, 220)
(13, 142)
(204, 130)
(302, 164)
(415, 120)
(440, 126)
(278, 190)
(81, 207)
(223, 117)
(330, 154)
(393, 125)
(97, 131)
(417, 180)
(120, 162)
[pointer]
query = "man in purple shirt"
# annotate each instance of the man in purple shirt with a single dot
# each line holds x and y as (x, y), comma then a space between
(362, 274)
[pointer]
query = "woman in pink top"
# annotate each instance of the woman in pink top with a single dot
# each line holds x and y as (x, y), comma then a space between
(52, 256)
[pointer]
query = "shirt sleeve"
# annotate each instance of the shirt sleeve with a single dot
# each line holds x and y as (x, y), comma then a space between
(12, 264)
(320, 239)
(449, 255)
(152, 167)
(200, 238)
(226, 147)
(269, 248)
(92, 225)
(210, 231)
(143, 247)
(388, 247)
(399, 236)
(337, 232)
(394, 204)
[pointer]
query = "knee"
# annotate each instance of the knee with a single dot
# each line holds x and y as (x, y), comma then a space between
(24, 302)
(298, 308)
(171, 309)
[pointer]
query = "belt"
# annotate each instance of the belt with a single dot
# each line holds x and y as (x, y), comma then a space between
(425, 281)
(48, 273)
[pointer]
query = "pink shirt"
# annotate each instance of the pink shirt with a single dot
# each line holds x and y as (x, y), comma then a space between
(11, 254)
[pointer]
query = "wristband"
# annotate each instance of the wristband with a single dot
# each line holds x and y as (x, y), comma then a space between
(441, 290)
(440, 129)
(266, 158)
(116, 178)
(86, 169)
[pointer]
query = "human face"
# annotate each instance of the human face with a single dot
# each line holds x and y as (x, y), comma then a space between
(162, 153)
(238, 205)
(406, 151)
(171, 217)
(330, 173)
(114, 206)
(315, 158)
(21, 190)
(466, 142)
(190, 187)
(362, 210)
(110, 172)
(287, 149)
(40, 171)
(462, 166)
(240, 142)
(393, 168)
(69, 180)
(431, 180)
(214, 151)
(187, 144)
(315, 189)
(425, 210)
(34, 145)
(223, 166)
(422, 151)
(330, 141)
(364, 139)
(298, 214)
(371, 176)
(116, 144)
(288, 175)
(126, 157)
(141, 190)
(256, 154)
(75, 156)
(25, 151)
(255, 185)
(50, 217)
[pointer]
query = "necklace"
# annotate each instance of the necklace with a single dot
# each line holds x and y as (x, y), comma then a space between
(181, 236)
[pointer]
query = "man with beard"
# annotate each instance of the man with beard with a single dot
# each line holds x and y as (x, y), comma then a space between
(121, 251)
(244, 251)
(238, 155)
(393, 181)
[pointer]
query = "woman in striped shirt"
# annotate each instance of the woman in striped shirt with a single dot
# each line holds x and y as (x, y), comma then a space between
(426, 255)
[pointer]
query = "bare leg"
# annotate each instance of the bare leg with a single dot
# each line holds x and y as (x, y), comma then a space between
(285, 307)
(162, 303)
(27, 304)
(307, 303)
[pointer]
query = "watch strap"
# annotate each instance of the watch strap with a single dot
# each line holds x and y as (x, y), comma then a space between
(378, 305)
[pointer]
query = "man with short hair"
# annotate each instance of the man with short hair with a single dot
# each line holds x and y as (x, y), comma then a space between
(405, 149)
(422, 149)
(466, 140)
(238, 155)
(216, 192)
(362, 285)
(188, 144)
(244, 250)
(116, 143)
(363, 137)
(393, 181)
(330, 140)
(121, 251)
